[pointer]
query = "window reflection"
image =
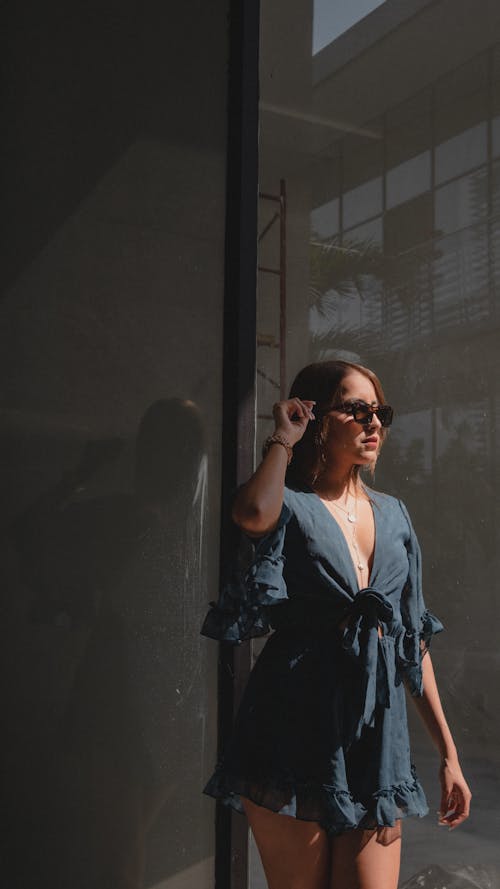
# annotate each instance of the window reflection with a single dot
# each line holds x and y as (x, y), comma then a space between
(361, 202)
(325, 220)
(461, 277)
(461, 152)
(495, 136)
(408, 179)
(409, 285)
(461, 203)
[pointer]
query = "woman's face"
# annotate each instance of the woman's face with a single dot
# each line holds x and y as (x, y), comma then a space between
(348, 442)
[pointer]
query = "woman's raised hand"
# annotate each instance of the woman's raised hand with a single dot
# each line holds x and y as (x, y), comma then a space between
(291, 418)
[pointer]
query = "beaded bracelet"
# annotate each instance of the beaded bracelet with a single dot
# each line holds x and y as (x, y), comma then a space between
(276, 438)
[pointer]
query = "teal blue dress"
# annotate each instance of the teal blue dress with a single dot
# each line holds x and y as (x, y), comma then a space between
(322, 732)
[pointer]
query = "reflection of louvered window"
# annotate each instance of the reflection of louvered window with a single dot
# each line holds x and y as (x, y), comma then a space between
(408, 310)
(371, 312)
(495, 224)
(461, 292)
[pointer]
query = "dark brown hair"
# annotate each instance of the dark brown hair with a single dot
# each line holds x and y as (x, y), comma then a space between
(322, 382)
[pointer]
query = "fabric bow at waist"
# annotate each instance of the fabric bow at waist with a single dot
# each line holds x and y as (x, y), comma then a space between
(361, 641)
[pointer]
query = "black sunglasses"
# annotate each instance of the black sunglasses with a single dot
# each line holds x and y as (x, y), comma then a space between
(363, 412)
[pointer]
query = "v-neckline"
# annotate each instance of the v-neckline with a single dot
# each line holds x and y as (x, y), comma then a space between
(346, 544)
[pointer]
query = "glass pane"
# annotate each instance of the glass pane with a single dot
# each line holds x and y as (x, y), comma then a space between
(495, 136)
(110, 356)
(362, 202)
(461, 203)
(461, 152)
(325, 220)
(408, 179)
(408, 287)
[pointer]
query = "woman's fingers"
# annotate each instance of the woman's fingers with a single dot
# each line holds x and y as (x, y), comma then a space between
(295, 407)
(455, 806)
(292, 416)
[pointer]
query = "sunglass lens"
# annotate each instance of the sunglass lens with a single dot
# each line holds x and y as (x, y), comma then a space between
(362, 414)
(385, 414)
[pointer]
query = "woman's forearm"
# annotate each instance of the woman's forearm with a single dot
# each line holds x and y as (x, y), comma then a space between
(258, 503)
(431, 712)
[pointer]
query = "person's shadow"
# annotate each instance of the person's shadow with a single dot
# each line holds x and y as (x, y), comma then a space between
(121, 574)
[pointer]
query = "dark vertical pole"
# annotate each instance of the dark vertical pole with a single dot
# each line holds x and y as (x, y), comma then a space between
(238, 433)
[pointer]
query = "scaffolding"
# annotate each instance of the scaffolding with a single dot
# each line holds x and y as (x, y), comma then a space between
(278, 272)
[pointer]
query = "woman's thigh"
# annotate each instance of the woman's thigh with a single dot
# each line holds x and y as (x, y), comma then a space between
(295, 854)
(366, 859)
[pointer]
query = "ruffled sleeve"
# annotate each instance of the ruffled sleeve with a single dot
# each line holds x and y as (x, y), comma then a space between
(419, 624)
(241, 611)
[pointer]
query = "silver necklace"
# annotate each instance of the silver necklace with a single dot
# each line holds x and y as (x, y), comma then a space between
(352, 517)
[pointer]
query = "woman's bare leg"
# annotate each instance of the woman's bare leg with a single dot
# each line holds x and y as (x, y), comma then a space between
(366, 859)
(295, 854)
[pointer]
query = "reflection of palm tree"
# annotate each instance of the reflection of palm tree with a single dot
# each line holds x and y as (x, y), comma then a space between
(359, 273)
(342, 268)
(340, 276)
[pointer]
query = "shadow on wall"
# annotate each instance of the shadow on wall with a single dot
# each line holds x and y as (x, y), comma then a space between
(102, 712)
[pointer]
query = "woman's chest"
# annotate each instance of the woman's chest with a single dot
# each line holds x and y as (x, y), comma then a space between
(318, 541)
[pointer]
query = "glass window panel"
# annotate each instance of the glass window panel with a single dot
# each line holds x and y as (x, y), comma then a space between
(462, 202)
(461, 98)
(362, 202)
(422, 312)
(110, 419)
(495, 136)
(325, 177)
(461, 152)
(325, 220)
(495, 227)
(461, 279)
(362, 157)
(495, 73)
(408, 129)
(408, 224)
(408, 179)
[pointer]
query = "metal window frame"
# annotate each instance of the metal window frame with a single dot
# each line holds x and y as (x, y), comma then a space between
(239, 372)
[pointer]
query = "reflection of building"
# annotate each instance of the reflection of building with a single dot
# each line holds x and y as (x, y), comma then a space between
(392, 175)
(389, 141)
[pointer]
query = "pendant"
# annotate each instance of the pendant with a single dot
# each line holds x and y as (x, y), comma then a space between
(351, 517)
(361, 567)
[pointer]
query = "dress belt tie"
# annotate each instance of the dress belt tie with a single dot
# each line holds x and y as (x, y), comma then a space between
(361, 641)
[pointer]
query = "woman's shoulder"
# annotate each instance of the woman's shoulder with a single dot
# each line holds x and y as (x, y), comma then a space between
(386, 502)
(380, 497)
(298, 497)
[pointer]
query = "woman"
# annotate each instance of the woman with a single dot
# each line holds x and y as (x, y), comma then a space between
(320, 758)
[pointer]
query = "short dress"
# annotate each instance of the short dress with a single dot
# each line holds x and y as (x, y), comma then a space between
(321, 732)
